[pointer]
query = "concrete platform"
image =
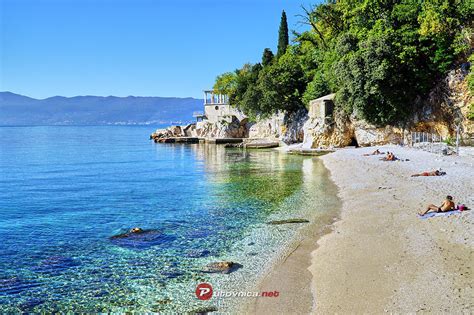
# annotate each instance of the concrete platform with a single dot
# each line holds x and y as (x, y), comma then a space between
(178, 140)
(223, 140)
(262, 145)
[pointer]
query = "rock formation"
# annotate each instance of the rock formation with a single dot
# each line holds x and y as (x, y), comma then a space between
(229, 128)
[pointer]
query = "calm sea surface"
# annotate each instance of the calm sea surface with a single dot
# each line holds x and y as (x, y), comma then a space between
(65, 191)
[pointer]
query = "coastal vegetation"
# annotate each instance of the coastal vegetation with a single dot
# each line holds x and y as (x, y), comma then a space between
(380, 57)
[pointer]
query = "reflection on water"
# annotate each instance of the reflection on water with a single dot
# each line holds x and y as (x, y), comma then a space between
(64, 196)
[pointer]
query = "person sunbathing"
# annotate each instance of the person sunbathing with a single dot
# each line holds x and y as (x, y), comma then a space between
(376, 152)
(432, 173)
(389, 157)
(447, 205)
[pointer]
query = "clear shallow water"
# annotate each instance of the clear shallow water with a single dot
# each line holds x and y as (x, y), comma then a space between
(64, 191)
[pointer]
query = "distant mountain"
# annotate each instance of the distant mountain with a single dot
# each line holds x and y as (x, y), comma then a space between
(95, 110)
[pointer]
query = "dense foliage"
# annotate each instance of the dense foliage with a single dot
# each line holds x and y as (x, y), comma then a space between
(378, 56)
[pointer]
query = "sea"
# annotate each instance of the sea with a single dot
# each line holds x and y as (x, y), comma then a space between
(66, 191)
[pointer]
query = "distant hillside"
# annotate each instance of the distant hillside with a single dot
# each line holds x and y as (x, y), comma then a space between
(95, 110)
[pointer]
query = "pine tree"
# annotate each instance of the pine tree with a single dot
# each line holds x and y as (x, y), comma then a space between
(267, 57)
(282, 35)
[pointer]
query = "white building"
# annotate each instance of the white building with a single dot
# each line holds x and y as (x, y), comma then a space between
(217, 108)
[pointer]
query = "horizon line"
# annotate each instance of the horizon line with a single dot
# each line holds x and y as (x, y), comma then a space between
(105, 96)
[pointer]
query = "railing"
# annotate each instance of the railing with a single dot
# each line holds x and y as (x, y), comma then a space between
(430, 142)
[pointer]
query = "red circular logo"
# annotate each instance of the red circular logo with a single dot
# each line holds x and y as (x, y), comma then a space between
(204, 291)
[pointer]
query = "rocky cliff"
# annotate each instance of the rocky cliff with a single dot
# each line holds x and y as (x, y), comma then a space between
(442, 112)
(231, 127)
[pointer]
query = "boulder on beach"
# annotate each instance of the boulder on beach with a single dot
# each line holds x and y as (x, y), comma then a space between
(221, 267)
(287, 221)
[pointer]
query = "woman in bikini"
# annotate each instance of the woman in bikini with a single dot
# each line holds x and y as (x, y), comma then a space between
(432, 173)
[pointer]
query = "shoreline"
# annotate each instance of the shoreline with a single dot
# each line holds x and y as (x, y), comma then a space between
(290, 274)
(379, 256)
(302, 237)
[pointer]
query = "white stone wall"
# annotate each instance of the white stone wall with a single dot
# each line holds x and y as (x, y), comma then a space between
(213, 112)
(216, 112)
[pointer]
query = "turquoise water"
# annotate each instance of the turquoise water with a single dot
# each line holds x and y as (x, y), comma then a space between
(64, 191)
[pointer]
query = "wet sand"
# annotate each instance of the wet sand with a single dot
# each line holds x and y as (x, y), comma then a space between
(380, 256)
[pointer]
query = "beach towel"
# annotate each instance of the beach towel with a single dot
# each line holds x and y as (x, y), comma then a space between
(438, 214)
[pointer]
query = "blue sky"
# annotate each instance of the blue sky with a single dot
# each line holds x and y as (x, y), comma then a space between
(132, 47)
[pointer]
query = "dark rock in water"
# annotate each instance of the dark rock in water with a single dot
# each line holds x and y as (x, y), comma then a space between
(251, 243)
(141, 239)
(204, 310)
(134, 231)
(221, 267)
(277, 222)
(252, 254)
(164, 301)
(197, 253)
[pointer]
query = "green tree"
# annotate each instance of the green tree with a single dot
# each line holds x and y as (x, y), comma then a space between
(379, 56)
(282, 85)
(316, 88)
(267, 57)
(283, 39)
(226, 83)
(245, 78)
(369, 84)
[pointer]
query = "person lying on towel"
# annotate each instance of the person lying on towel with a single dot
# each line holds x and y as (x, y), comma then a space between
(389, 157)
(432, 173)
(446, 206)
(376, 152)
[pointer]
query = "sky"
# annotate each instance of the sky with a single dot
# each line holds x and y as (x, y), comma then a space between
(133, 47)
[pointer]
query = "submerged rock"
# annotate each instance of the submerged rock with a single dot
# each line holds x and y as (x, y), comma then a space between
(141, 238)
(277, 222)
(204, 310)
(224, 267)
